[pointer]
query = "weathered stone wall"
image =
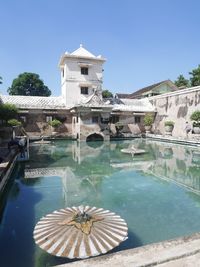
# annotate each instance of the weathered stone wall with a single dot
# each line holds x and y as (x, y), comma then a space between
(177, 107)
(129, 125)
(36, 124)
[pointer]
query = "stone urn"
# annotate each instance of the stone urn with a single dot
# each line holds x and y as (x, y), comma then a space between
(147, 128)
(196, 129)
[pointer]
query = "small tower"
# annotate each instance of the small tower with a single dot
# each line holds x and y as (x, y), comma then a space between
(81, 75)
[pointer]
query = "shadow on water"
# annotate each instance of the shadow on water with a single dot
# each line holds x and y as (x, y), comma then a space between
(17, 224)
(133, 241)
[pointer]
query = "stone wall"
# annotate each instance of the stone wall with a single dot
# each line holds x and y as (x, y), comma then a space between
(36, 123)
(177, 107)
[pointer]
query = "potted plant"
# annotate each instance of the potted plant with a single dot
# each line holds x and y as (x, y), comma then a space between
(196, 124)
(14, 123)
(55, 124)
(148, 121)
(169, 126)
(119, 126)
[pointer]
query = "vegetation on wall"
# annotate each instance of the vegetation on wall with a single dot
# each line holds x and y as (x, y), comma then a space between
(29, 84)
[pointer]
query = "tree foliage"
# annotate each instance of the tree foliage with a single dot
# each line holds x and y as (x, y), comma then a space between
(106, 94)
(195, 79)
(29, 84)
(8, 111)
(0, 80)
(182, 82)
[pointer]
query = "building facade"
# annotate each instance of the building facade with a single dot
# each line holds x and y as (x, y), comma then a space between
(84, 114)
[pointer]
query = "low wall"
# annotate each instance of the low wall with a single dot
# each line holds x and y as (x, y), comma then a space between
(178, 107)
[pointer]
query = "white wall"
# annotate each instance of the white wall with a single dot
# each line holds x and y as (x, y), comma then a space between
(73, 79)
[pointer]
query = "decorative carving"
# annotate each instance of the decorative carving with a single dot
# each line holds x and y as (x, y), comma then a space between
(82, 221)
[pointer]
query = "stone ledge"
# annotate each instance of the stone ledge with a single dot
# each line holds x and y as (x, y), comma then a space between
(181, 140)
(163, 254)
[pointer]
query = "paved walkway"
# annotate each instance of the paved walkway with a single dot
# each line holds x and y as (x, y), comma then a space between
(180, 252)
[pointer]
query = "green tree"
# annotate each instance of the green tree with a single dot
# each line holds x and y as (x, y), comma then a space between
(29, 84)
(106, 94)
(0, 80)
(182, 82)
(195, 79)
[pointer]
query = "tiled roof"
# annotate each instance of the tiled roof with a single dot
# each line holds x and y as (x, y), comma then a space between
(134, 105)
(95, 100)
(34, 102)
(122, 95)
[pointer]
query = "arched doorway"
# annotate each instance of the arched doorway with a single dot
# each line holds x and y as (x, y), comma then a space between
(94, 137)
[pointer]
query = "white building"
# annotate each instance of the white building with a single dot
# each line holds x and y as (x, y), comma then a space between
(81, 75)
(80, 107)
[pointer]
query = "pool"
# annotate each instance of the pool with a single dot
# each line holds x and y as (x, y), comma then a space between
(157, 193)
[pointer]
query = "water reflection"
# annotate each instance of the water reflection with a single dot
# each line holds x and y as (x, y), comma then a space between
(177, 163)
(82, 166)
(138, 188)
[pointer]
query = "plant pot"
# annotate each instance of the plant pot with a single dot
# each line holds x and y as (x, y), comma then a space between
(196, 130)
(168, 129)
(147, 128)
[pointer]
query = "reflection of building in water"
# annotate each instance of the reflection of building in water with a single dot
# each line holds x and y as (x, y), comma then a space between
(72, 183)
(63, 173)
(171, 162)
(177, 164)
(81, 151)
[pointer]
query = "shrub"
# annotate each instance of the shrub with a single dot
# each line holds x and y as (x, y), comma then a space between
(55, 123)
(196, 118)
(119, 126)
(8, 111)
(148, 120)
(169, 123)
(14, 122)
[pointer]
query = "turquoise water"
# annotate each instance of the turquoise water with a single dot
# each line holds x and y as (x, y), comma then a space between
(156, 193)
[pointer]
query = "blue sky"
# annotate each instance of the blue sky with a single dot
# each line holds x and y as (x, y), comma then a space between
(144, 41)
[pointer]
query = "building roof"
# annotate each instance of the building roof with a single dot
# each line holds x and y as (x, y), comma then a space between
(147, 89)
(134, 105)
(95, 100)
(34, 102)
(81, 53)
(119, 95)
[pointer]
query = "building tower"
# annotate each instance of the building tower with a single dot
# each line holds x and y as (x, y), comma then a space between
(81, 75)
